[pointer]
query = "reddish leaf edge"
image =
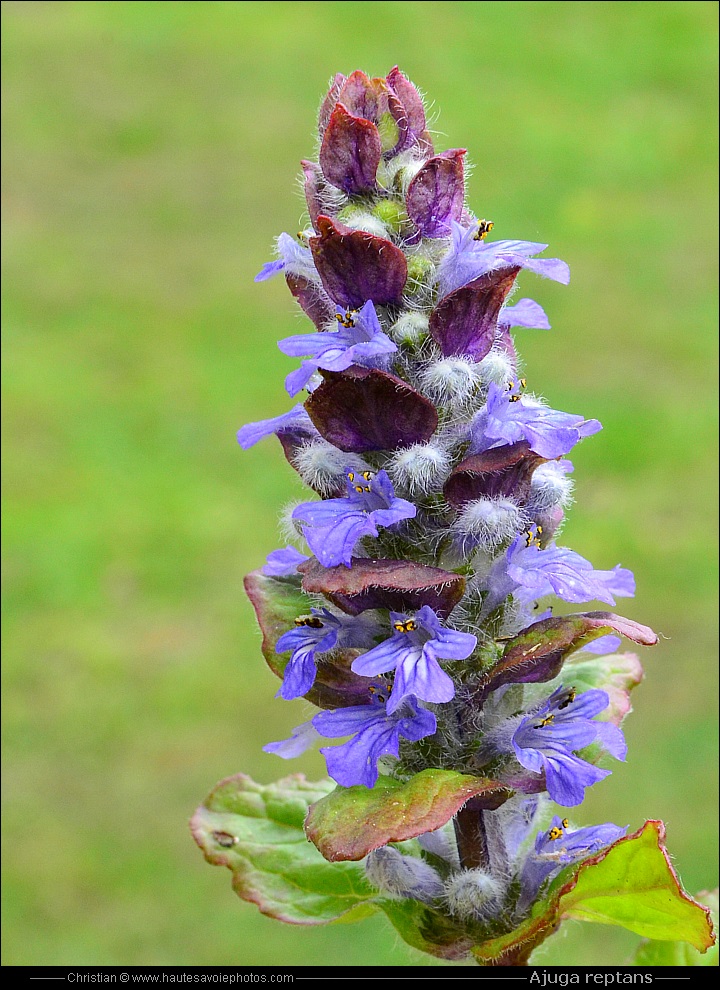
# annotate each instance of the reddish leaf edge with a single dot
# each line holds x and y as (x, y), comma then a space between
(541, 927)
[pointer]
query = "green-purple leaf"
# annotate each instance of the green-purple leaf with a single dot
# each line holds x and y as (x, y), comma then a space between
(277, 603)
(400, 585)
(352, 821)
(631, 884)
(257, 832)
(652, 953)
(538, 652)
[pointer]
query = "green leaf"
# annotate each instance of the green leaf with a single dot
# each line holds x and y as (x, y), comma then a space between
(634, 885)
(631, 884)
(425, 929)
(651, 953)
(352, 821)
(277, 604)
(257, 832)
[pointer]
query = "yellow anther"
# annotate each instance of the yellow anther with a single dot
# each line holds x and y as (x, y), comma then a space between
(568, 700)
(360, 489)
(548, 720)
(409, 625)
(312, 621)
(555, 833)
(351, 476)
(533, 539)
(565, 823)
(368, 475)
(484, 228)
(349, 319)
(381, 691)
(523, 382)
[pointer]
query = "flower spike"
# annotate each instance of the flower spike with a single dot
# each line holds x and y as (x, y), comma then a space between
(452, 706)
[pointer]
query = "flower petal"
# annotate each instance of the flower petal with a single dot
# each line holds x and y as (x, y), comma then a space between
(568, 776)
(284, 563)
(303, 737)
(525, 313)
(423, 677)
(384, 657)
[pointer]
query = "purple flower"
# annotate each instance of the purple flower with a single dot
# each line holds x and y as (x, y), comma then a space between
(547, 740)
(303, 737)
(295, 258)
(603, 645)
(469, 258)
(528, 572)
(317, 632)
(509, 416)
(376, 733)
(525, 313)
(283, 563)
(557, 847)
(332, 527)
(413, 652)
(296, 421)
(570, 846)
(358, 340)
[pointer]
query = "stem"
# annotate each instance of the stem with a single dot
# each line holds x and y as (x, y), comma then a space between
(471, 838)
(518, 957)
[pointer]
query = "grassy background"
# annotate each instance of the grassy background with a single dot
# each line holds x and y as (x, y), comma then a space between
(151, 150)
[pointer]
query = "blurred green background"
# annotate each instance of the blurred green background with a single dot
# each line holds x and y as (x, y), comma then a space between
(151, 154)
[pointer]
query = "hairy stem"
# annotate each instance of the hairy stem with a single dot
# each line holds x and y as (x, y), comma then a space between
(471, 838)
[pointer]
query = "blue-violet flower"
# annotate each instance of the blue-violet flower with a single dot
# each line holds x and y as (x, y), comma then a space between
(413, 651)
(358, 340)
(376, 732)
(547, 740)
(333, 526)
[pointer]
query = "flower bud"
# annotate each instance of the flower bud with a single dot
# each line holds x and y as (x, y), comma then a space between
(496, 367)
(550, 486)
(357, 217)
(410, 329)
(290, 529)
(489, 521)
(322, 466)
(420, 469)
(452, 381)
(388, 870)
(472, 893)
